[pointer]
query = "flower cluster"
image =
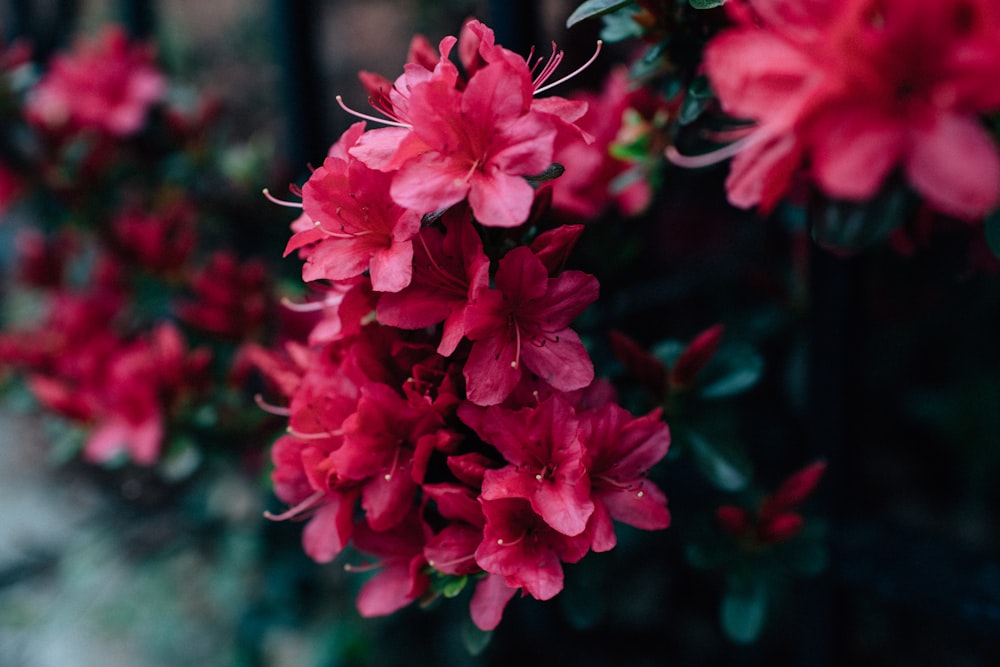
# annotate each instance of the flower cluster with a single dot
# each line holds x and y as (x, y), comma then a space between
(115, 267)
(446, 420)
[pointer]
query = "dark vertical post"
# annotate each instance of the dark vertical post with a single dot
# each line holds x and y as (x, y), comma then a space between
(295, 37)
(139, 17)
(47, 26)
(516, 24)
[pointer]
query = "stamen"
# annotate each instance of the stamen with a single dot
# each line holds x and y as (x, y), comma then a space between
(549, 68)
(365, 116)
(313, 436)
(367, 567)
(517, 342)
(569, 76)
(307, 504)
(713, 157)
(281, 202)
(502, 543)
(305, 307)
(269, 408)
(450, 563)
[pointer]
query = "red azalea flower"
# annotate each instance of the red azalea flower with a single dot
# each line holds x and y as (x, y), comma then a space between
(447, 268)
(158, 241)
(520, 546)
(355, 226)
(104, 83)
(477, 139)
(401, 563)
(545, 461)
(526, 319)
(230, 297)
(622, 449)
(859, 89)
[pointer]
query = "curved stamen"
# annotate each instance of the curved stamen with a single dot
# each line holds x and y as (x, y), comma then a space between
(306, 307)
(437, 566)
(306, 505)
(281, 202)
(313, 436)
(549, 68)
(504, 543)
(713, 157)
(270, 408)
(579, 69)
(365, 116)
(517, 342)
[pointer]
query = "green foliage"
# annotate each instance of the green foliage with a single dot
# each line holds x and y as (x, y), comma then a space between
(744, 607)
(706, 4)
(592, 8)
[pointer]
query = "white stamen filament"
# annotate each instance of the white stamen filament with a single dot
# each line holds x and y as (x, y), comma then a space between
(281, 202)
(269, 408)
(569, 76)
(374, 119)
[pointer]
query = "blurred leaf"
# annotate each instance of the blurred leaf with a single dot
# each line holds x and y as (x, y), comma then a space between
(992, 229)
(474, 639)
(734, 369)
(724, 466)
(706, 4)
(620, 26)
(592, 8)
(699, 96)
(707, 554)
(453, 586)
(744, 608)
(853, 226)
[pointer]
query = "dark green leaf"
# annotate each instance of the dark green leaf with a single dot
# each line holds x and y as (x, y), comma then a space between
(734, 369)
(706, 4)
(853, 226)
(724, 466)
(620, 26)
(699, 96)
(554, 170)
(474, 639)
(744, 609)
(593, 8)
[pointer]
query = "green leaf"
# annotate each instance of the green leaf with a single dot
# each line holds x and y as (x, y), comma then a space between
(553, 171)
(724, 466)
(992, 229)
(593, 8)
(853, 226)
(699, 96)
(620, 26)
(453, 586)
(734, 369)
(474, 639)
(706, 4)
(744, 609)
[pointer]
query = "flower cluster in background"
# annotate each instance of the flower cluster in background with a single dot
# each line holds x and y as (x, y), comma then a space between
(132, 308)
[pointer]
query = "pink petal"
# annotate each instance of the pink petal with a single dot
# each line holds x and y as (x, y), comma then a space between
(954, 164)
(489, 600)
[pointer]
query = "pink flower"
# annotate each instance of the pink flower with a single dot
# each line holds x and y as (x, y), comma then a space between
(159, 241)
(526, 319)
(857, 90)
(477, 139)
(622, 449)
(447, 269)
(104, 83)
(545, 462)
(355, 226)
(401, 577)
(521, 547)
(230, 297)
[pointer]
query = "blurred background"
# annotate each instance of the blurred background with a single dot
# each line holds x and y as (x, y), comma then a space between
(882, 363)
